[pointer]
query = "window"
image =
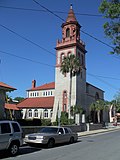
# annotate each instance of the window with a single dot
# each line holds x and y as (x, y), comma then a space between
(37, 94)
(62, 57)
(51, 92)
(16, 127)
(45, 113)
(51, 113)
(5, 128)
(96, 96)
(66, 130)
(30, 113)
(67, 32)
(64, 107)
(65, 94)
(61, 131)
(35, 113)
(82, 60)
(43, 93)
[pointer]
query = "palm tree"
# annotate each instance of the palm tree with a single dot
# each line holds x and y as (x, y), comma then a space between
(97, 106)
(70, 64)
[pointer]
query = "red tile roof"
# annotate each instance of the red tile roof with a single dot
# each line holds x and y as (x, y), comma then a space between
(41, 102)
(6, 87)
(44, 87)
(11, 106)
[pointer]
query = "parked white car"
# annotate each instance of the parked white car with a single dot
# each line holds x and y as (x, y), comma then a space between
(51, 136)
(10, 136)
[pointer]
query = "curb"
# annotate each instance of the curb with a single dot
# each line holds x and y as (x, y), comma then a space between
(87, 133)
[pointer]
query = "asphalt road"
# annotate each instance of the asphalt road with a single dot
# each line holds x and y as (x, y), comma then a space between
(95, 147)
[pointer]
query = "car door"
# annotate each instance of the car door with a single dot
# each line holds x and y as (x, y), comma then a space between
(5, 135)
(60, 136)
(67, 135)
(16, 130)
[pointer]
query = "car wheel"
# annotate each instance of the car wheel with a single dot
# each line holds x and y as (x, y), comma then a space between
(51, 143)
(71, 140)
(13, 149)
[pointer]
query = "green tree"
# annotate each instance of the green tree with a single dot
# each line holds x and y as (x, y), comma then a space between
(64, 118)
(19, 99)
(76, 110)
(97, 106)
(116, 101)
(111, 11)
(70, 64)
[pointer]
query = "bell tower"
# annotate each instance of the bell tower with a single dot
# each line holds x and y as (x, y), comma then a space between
(69, 44)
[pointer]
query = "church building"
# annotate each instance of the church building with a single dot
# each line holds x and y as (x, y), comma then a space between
(45, 101)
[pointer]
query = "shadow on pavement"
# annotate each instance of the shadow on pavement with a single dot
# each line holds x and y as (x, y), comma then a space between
(23, 150)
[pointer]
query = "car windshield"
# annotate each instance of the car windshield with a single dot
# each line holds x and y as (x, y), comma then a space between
(48, 130)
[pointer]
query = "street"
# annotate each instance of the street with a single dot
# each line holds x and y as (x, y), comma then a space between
(104, 146)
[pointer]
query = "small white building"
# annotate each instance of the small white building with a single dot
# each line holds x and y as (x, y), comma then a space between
(39, 102)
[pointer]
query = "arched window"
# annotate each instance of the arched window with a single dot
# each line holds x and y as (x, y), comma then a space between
(82, 60)
(67, 32)
(65, 101)
(96, 96)
(62, 57)
(45, 113)
(30, 112)
(35, 113)
(68, 54)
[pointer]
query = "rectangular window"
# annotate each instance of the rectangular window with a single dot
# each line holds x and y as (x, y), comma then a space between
(16, 127)
(5, 128)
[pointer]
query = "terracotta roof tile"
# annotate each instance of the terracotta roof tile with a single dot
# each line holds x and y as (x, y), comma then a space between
(41, 102)
(44, 87)
(6, 87)
(11, 106)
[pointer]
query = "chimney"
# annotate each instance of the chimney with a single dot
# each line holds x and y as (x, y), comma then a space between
(33, 83)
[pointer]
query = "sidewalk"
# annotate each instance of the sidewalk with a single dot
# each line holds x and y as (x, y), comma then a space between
(85, 133)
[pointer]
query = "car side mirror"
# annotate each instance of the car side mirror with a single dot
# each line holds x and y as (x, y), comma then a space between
(59, 133)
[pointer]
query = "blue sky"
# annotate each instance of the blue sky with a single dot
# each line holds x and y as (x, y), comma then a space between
(43, 29)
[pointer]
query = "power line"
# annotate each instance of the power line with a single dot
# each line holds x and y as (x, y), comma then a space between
(48, 10)
(24, 58)
(38, 10)
(96, 39)
(103, 76)
(30, 60)
(110, 85)
(20, 57)
(26, 39)
(64, 21)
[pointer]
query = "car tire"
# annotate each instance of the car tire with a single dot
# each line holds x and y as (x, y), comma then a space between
(13, 149)
(51, 143)
(71, 140)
